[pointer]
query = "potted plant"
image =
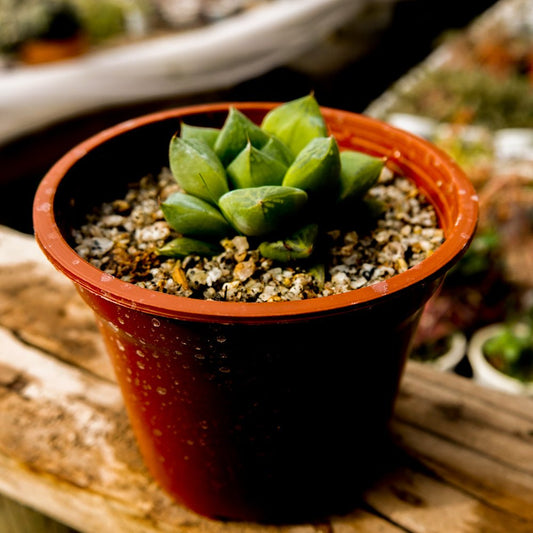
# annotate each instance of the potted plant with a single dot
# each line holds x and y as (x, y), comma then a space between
(267, 410)
(501, 356)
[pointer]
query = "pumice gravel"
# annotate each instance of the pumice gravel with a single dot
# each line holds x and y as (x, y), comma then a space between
(122, 238)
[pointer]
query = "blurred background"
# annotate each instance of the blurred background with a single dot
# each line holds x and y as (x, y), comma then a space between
(69, 68)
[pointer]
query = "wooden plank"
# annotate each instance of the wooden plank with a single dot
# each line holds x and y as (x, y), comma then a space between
(469, 420)
(486, 479)
(496, 400)
(42, 307)
(476, 439)
(462, 460)
(361, 521)
(421, 503)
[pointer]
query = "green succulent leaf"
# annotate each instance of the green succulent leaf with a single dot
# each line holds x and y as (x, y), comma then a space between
(201, 133)
(318, 271)
(235, 134)
(359, 172)
(257, 211)
(299, 245)
(184, 246)
(254, 168)
(278, 150)
(190, 215)
(295, 123)
(316, 168)
(197, 169)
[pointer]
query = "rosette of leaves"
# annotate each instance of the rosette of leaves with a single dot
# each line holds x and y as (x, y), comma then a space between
(280, 183)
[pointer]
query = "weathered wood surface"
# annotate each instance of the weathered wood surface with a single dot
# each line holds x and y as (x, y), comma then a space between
(462, 459)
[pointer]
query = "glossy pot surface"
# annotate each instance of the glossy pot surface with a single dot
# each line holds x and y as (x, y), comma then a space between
(257, 411)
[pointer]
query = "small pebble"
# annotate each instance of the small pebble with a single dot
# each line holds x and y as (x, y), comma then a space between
(122, 238)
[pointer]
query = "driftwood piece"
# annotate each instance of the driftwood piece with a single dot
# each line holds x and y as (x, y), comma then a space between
(461, 459)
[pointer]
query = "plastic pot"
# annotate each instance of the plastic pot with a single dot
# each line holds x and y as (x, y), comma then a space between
(256, 411)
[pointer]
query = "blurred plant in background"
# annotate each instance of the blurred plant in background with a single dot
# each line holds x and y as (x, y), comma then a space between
(103, 22)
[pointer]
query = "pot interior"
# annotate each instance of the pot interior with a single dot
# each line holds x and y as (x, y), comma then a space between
(101, 168)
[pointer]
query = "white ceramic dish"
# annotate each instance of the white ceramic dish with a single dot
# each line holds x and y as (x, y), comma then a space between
(208, 58)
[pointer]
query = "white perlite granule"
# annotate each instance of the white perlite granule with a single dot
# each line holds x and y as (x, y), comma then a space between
(122, 238)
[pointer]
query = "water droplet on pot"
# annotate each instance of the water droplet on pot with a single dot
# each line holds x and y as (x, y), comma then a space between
(221, 339)
(140, 354)
(156, 323)
(44, 207)
(157, 432)
(224, 370)
(381, 287)
(190, 442)
(141, 365)
(204, 424)
(199, 356)
(161, 390)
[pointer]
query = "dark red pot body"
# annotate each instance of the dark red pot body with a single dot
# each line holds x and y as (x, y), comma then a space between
(253, 411)
(266, 421)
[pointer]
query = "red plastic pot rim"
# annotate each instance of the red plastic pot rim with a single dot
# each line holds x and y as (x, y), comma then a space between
(402, 150)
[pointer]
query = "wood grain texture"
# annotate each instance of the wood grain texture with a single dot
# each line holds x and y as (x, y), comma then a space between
(460, 457)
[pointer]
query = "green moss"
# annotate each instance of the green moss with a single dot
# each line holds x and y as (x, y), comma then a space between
(449, 95)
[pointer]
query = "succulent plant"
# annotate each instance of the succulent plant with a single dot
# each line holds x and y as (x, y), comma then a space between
(281, 182)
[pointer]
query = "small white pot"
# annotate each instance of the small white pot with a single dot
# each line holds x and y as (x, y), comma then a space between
(484, 373)
(449, 360)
